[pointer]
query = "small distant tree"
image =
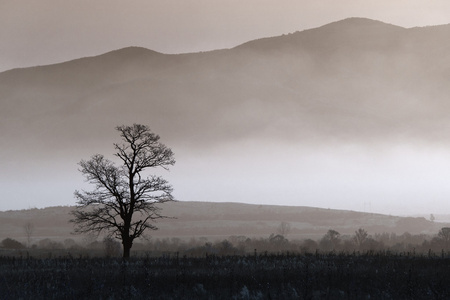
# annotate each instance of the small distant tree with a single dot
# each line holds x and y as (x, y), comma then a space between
(225, 248)
(278, 242)
(123, 203)
(70, 244)
(360, 237)
(29, 230)
(309, 246)
(10, 243)
(444, 236)
(284, 229)
(330, 241)
(49, 244)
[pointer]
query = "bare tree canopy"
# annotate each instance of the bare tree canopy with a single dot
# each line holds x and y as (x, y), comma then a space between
(123, 201)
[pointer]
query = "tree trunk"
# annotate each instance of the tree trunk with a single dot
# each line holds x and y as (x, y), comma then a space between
(127, 243)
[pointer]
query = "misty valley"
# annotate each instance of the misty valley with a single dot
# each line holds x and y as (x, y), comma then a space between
(312, 165)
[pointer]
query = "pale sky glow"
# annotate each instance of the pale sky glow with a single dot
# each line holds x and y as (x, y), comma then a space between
(342, 176)
(49, 31)
(400, 180)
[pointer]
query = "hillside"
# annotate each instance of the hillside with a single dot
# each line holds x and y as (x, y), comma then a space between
(287, 108)
(222, 220)
(322, 80)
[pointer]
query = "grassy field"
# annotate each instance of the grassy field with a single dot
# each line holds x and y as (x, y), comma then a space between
(258, 276)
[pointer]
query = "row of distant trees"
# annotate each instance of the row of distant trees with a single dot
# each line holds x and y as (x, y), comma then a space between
(332, 241)
(362, 241)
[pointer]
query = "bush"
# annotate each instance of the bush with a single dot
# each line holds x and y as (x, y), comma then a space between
(48, 244)
(9, 243)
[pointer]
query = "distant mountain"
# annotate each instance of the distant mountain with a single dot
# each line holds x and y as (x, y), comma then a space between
(352, 81)
(222, 220)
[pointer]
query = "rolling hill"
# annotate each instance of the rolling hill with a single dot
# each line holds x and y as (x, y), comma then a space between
(218, 221)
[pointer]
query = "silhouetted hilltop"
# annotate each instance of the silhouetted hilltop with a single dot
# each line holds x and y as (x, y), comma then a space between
(349, 33)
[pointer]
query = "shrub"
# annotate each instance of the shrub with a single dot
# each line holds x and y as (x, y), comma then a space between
(9, 243)
(48, 244)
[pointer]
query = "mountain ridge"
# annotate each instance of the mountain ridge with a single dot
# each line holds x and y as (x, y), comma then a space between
(352, 27)
(353, 24)
(136, 52)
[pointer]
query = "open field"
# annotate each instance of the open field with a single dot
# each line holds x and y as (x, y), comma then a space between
(257, 276)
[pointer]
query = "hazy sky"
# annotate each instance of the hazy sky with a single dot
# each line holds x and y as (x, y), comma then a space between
(48, 31)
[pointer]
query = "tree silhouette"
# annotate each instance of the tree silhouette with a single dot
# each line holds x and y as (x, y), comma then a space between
(444, 236)
(284, 228)
(10, 243)
(123, 201)
(29, 230)
(360, 237)
(330, 241)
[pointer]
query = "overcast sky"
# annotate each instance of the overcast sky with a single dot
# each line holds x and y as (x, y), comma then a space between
(49, 31)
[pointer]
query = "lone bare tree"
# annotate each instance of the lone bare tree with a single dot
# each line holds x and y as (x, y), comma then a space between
(123, 201)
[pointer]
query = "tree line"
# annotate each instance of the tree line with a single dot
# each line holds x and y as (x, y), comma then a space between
(331, 242)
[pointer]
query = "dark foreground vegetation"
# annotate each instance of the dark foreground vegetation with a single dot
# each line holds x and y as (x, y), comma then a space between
(381, 275)
(361, 266)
